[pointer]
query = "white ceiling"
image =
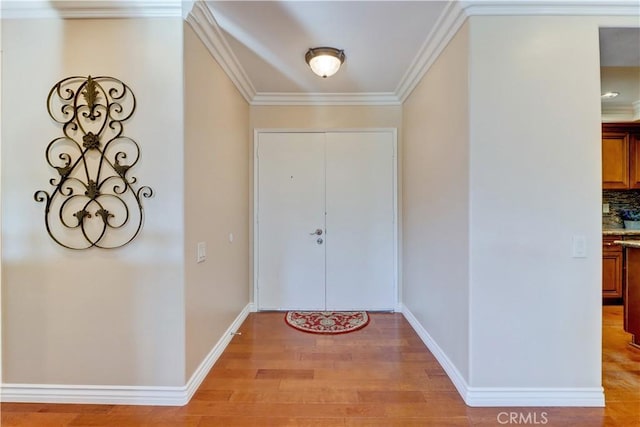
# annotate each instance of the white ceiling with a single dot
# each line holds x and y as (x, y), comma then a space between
(384, 43)
(620, 47)
(620, 72)
(625, 81)
(381, 41)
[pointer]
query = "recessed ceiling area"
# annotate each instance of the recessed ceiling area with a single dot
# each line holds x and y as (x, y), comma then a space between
(620, 72)
(624, 80)
(381, 40)
(620, 47)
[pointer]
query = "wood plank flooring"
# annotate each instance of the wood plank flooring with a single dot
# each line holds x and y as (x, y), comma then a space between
(382, 375)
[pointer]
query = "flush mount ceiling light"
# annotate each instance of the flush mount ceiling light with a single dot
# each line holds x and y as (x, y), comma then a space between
(324, 61)
(609, 95)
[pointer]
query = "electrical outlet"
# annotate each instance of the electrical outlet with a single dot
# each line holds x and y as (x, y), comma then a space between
(605, 208)
(201, 252)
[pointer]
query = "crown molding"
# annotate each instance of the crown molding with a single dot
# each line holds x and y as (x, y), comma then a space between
(551, 7)
(207, 29)
(302, 98)
(618, 113)
(617, 109)
(457, 12)
(13, 9)
(444, 30)
(209, 32)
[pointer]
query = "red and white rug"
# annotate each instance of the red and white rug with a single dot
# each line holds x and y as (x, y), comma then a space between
(327, 322)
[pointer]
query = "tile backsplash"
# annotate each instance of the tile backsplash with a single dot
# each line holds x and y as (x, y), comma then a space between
(618, 199)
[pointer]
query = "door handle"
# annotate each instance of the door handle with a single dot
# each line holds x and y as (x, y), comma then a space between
(318, 232)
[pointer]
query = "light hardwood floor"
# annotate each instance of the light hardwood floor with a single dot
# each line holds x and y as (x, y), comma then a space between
(382, 375)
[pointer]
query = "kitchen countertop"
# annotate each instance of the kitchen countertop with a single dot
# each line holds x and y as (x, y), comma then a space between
(628, 243)
(620, 232)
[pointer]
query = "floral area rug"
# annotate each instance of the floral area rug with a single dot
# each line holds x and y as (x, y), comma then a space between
(327, 322)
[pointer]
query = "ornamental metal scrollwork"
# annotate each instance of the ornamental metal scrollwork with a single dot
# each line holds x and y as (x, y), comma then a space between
(93, 202)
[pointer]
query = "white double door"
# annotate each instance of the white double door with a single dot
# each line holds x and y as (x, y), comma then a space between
(326, 221)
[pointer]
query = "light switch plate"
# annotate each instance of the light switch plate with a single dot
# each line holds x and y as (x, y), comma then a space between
(605, 208)
(579, 246)
(201, 252)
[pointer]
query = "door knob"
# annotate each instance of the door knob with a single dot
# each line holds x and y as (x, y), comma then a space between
(319, 241)
(318, 232)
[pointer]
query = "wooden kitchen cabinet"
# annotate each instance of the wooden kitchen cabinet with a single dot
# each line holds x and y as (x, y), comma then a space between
(615, 160)
(612, 267)
(632, 295)
(634, 159)
(620, 156)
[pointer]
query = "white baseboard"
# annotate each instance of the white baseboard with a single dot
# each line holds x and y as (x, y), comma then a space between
(205, 366)
(544, 397)
(93, 394)
(506, 396)
(454, 375)
(122, 395)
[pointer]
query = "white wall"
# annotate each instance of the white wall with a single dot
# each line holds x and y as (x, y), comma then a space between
(1, 316)
(535, 183)
(436, 202)
(512, 106)
(325, 117)
(217, 142)
(94, 316)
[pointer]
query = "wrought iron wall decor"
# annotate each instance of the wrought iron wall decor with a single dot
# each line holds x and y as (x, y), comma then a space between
(93, 202)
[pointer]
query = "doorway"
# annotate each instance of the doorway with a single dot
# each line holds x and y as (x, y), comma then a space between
(326, 226)
(620, 88)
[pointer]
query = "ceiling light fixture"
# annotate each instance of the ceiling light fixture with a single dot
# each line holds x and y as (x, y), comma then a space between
(324, 61)
(609, 95)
